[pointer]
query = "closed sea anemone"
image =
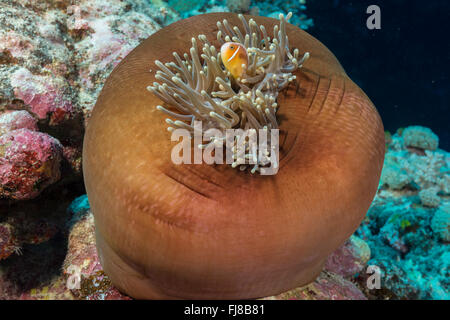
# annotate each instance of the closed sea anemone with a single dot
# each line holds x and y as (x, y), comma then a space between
(209, 231)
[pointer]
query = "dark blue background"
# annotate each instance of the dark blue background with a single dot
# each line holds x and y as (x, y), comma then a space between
(404, 67)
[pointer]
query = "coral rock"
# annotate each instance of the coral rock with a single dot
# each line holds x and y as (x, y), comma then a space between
(14, 120)
(33, 230)
(54, 58)
(82, 265)
(328, 286)
(238, 6)
(42, 94)
(441, 222)
(407, 235)
(395, 178)
(36, 68)
(350, 258)
(105, 32)
(29, 162)
(404, 167)
(429, 197)
(420, 137)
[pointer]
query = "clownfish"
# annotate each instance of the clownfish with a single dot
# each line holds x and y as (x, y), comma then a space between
(234, 57)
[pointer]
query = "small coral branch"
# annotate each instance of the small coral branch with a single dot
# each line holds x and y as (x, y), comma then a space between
(200, 88)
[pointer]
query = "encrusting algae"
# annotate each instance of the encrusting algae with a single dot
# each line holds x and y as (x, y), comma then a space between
(235, 87)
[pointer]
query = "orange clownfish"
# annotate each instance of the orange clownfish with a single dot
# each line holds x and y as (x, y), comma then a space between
(234, 57)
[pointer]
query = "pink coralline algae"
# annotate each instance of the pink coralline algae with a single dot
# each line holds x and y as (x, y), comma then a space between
(13, 120)
(350, 259)
(82, 266)
(103, 33)
(407, 225)
(35, 62)
(54, 59)
(328, 286)
(336, 280)
(29, 162)
(42, 94)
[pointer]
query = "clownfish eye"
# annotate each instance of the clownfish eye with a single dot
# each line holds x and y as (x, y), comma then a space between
(231, 47)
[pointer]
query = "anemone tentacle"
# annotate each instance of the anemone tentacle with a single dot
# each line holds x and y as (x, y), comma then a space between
(202, 89)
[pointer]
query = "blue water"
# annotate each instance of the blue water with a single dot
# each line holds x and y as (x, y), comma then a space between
(403, 67)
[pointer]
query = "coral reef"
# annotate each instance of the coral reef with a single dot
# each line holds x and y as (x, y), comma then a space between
(82, 262)
(429, 197)
(327, 286)
(184, 6)
(350, 259)
(238, 6)
(407, 225)
(272, 9)
(105, 32)
(54, 59)
(420, 137)
(440, 224)
(36, 221)
(415, 167)
(8, 242)
(29, 162)
(13, 120)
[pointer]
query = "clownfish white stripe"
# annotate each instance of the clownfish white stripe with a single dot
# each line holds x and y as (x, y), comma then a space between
(234, 54)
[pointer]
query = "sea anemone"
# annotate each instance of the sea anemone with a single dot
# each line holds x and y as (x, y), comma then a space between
(204, 231)
(203, 91)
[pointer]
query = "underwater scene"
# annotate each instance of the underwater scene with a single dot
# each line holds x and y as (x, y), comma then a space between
(334, 185)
